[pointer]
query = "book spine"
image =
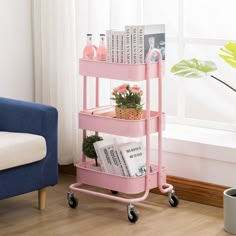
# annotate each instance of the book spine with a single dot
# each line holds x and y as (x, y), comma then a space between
(108, 42)
(100, 157)
(124, 164)
(117, 44)
(134, 40)
(140, 34)
(107, 159)
(128, 44)
(113, 48)
(115, 161)
(122, 167)
(122, 47)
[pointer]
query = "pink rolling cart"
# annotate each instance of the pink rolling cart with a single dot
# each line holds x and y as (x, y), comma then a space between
(152, 122)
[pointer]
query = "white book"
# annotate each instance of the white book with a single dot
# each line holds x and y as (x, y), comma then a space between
(103, 148)
(140, 33)
(115, 161)
(112, 46)
(122, 164)
(134, 155)
(105, 151)
(134, 43)
(100, 156)
(119, 45)
(128, 44)
(151, 36)
(108, 42)
(122, 47)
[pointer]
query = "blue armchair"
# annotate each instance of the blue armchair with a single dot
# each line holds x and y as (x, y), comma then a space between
(27, 117)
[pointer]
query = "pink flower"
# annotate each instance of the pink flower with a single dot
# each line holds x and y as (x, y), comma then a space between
(135, 89)
(115, 91)
(123, 86)
(122, 90)
(140, 93)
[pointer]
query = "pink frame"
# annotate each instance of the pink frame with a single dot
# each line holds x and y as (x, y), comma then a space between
(151, 123)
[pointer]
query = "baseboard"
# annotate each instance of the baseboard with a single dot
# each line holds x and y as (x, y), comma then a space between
(196, 191)
(67, 169)
(186, 189)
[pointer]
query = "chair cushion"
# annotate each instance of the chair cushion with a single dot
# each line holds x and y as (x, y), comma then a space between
(20, 148)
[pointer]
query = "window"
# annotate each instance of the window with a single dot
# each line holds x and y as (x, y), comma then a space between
(197, 29)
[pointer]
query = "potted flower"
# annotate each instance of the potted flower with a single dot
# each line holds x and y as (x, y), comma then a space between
(128, 101)
(88, 148)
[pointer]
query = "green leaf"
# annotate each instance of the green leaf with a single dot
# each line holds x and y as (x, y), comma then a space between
(229, 55)
(193, 68)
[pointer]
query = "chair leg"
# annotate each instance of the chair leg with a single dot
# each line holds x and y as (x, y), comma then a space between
(42, 198)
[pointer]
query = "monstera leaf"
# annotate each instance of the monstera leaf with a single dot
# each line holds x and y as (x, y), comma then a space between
(193, 68)
(230, 54)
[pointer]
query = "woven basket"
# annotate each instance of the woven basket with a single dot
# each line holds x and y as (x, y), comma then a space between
(128, 113)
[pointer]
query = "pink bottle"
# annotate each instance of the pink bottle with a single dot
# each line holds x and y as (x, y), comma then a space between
(101, 51)
(89, 49)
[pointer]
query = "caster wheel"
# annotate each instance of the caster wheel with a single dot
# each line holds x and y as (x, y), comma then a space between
(114, 192)
(133, 216)
(73, 202)
(174, 200)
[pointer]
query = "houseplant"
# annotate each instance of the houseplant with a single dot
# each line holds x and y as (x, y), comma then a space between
(195, 68)
(88, 148)
(128, 101)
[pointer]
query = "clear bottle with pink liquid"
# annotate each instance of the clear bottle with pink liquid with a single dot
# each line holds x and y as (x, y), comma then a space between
(89, 50)
(101, 50)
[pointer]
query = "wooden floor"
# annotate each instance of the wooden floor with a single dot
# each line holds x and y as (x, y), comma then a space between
(99, 216)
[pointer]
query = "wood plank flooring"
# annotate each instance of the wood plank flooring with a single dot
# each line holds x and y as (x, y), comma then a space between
(98, 216)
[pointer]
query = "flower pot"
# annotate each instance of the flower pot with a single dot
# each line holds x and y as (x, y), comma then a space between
(94, 167)
(128, 113)
(230, 210)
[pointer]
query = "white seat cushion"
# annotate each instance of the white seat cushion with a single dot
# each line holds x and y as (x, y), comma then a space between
(20, 148)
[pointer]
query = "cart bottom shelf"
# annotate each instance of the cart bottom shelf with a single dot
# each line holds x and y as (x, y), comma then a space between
(85, 174)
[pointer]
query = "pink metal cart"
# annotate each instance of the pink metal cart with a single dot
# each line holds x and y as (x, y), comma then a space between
(152, 122)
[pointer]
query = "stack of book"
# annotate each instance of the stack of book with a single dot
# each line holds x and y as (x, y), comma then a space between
(125, 159)
(132, 44)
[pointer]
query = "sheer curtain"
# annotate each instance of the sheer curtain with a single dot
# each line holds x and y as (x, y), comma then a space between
(55, 62)
(59, 31)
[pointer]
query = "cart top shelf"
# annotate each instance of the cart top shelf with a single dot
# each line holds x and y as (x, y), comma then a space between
(117, 71)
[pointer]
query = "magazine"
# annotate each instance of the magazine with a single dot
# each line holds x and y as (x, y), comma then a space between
(151, 36)
(134, 157)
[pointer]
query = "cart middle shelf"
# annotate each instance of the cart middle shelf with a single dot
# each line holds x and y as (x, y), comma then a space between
(109, 124)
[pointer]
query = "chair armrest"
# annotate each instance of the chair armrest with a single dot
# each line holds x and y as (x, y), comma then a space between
(29, 117)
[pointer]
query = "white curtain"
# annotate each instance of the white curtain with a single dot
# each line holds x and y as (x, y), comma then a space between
(55, 62)
(60, 28)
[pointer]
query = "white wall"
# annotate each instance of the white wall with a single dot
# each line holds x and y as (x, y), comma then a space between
(16, 58)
